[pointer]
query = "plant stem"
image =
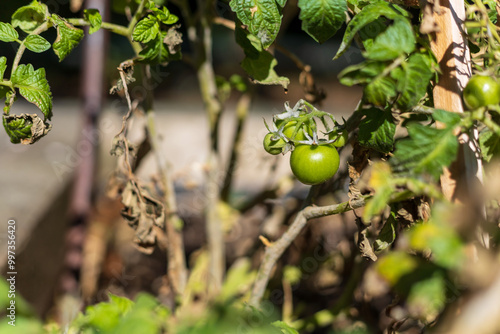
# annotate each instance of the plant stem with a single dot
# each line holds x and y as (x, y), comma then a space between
(277, 248)
(241, 113)
(114, 28)
(208, 88)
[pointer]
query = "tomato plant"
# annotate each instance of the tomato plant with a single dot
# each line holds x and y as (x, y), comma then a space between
(314, 164)
(416, 192)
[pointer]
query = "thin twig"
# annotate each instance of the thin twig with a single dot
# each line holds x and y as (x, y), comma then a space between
(274, 252)
(242, 112)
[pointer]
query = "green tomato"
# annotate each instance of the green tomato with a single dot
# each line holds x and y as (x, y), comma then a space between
(481, 91)
(314, 164)
(289, 129)
(271, 146)
(341, 139)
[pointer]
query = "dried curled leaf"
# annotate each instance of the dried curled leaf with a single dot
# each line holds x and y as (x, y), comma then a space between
(25, 128)
(127, 67)
(173, 39)
(144, 214)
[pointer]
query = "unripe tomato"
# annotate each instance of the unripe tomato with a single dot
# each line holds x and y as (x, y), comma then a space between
(314, 164)
(481, 91)
(271, 146)
(289, 129)
(341, 138)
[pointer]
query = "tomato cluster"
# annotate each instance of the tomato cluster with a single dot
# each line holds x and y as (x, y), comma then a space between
(313, 160)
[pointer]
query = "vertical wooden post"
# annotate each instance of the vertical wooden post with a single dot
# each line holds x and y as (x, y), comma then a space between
(451, 49)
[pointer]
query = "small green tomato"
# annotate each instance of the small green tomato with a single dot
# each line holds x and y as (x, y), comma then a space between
(341, 139)
(314, 164)
(271, 146)
(481, 91)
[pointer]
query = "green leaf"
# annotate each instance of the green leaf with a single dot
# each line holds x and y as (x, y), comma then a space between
(387, 234)
(94, 18)
(146, 29)
(411, 77)
(427, 151)
(368, 14)
(439, 237)
(8, 33)
(380, 91)
(33, 86)
(68, 37)
(449, 118)
(25, 128)
(489, 142)
(29, 17)
(165, 16)
(261, 70)
(322, 18)
(3, 66)
(361, 73)
(395, 265)
(377, 130)
(396, 40)
(284, 327)
(239, 279)
(156, 51)
(427, 298)
(381, 181)
(123, 304)
(262, 17)
(36, 43)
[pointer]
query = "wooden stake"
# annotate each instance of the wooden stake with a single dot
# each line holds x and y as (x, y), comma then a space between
(452, 52)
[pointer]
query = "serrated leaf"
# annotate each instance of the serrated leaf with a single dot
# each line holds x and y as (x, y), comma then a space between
(165, 16)
(3, 66)
(281, 3)
(261, 70)
(377, 130)
(489, 142)
(94, 18)
(426, 151)
(33, 86)
(387, 234)
(29, 17)
(156, 51)
(448, 118)
(146, 29)
(25, 128)
(411, 78)
(380, 91)
(262, 17)
(68, 37)
(361, 73)
(7, 32)
(368, 14)
(36, 43)
(396, 40)
(322, 18)
(251, 45)
(381, 182)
